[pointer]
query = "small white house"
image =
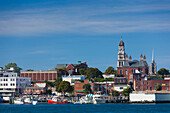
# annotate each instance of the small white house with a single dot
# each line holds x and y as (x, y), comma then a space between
(108, 76)
(73, 78)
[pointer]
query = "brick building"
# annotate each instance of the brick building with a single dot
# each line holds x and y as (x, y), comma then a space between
(107, 87)
(72, 69)
(41, 76)
(126, 65)
(150, 85)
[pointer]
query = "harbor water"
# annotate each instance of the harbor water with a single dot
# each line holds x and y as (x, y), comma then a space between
(85, 108)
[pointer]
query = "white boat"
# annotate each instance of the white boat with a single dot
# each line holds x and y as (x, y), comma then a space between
(18, 101)
(78, 102)
(27, 101)
(99, 98)
(34, 102)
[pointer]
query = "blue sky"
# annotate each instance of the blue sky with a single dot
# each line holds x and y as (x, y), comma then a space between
(38, 34)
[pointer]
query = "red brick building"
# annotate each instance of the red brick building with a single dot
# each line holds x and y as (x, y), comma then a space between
(150, 85)
(126, 65)
(106, 87)
(41, 76)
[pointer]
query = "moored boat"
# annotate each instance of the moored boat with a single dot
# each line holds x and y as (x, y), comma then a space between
(99, 98)
(18, 101)
(56, 100)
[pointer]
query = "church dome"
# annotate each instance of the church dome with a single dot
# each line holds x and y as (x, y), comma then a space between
(121, 43)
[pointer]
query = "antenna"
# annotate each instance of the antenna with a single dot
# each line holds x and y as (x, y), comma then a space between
(121, 36)
(152, 55)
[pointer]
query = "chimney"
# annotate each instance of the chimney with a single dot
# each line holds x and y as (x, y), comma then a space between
(126, 58)
(144, 58)
(130, 58)
(141, 57)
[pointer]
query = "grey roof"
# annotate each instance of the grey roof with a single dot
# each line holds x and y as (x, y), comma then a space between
(135, 63)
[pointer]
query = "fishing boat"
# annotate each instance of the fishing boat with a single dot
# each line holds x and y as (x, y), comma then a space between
(56, 100)
(18, 101)
(99, 98)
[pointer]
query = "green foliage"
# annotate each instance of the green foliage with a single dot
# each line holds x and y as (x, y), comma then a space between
(93, 73)
(14, 65)
(29, 70)
(115, 93)
(32, 82)
(156, 77)
(158, 88)
(87, 88)
(163, 71)
(49, 91)
(62, 70)
(49, 84)
(103, 80)
(126, 91)
(65, 87)
(82, 71)
(110, 70)
(119, 75)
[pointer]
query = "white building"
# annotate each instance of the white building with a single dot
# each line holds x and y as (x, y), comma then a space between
(73, 78)
(109, 76)
(11, 83)
(149, 97)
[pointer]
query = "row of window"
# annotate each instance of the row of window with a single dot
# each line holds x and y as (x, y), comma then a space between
(155, 83)
(12, 84)
(133, 71)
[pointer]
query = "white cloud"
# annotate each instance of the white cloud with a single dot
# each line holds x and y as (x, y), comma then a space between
(85, 20)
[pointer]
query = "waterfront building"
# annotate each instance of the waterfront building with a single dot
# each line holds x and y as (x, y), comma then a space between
(36, 89)
(126, 66)
(150, 85)
(72, 69)
(149, 96)
(41, 76)
(106, 87)
(11, 83)
(73, 78)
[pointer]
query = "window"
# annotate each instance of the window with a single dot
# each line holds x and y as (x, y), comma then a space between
(132, 70)
(155, 84)
(147, 83)
(147, 87)
(139, 87)
(151, 88)
(125, 72)
(120, 71)
(121, 87)
(139, 83)
(143, 83)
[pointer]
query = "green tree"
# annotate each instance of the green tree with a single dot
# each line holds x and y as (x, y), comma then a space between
(49, 84)
(14, 65)
(93, 73)
(110, 70)
(62, 70)
(126, 91)
(163, 71)
(82, 71)
(158, 88)
(115, 93)
(29, 70)
(64, 87)
(87, 88)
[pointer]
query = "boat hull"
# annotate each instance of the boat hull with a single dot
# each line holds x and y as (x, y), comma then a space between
(57, 102)
(99, 101)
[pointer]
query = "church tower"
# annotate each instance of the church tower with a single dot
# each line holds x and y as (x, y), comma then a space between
(153, 67)
(121, 54)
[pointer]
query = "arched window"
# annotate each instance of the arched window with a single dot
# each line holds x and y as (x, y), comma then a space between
(126, 72)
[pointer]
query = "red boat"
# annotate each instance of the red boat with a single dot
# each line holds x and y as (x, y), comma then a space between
(55, 100)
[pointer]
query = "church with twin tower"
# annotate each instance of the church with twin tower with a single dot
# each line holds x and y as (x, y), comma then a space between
(126, 66)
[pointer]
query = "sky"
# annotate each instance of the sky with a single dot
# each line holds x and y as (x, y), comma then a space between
(38, 34)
